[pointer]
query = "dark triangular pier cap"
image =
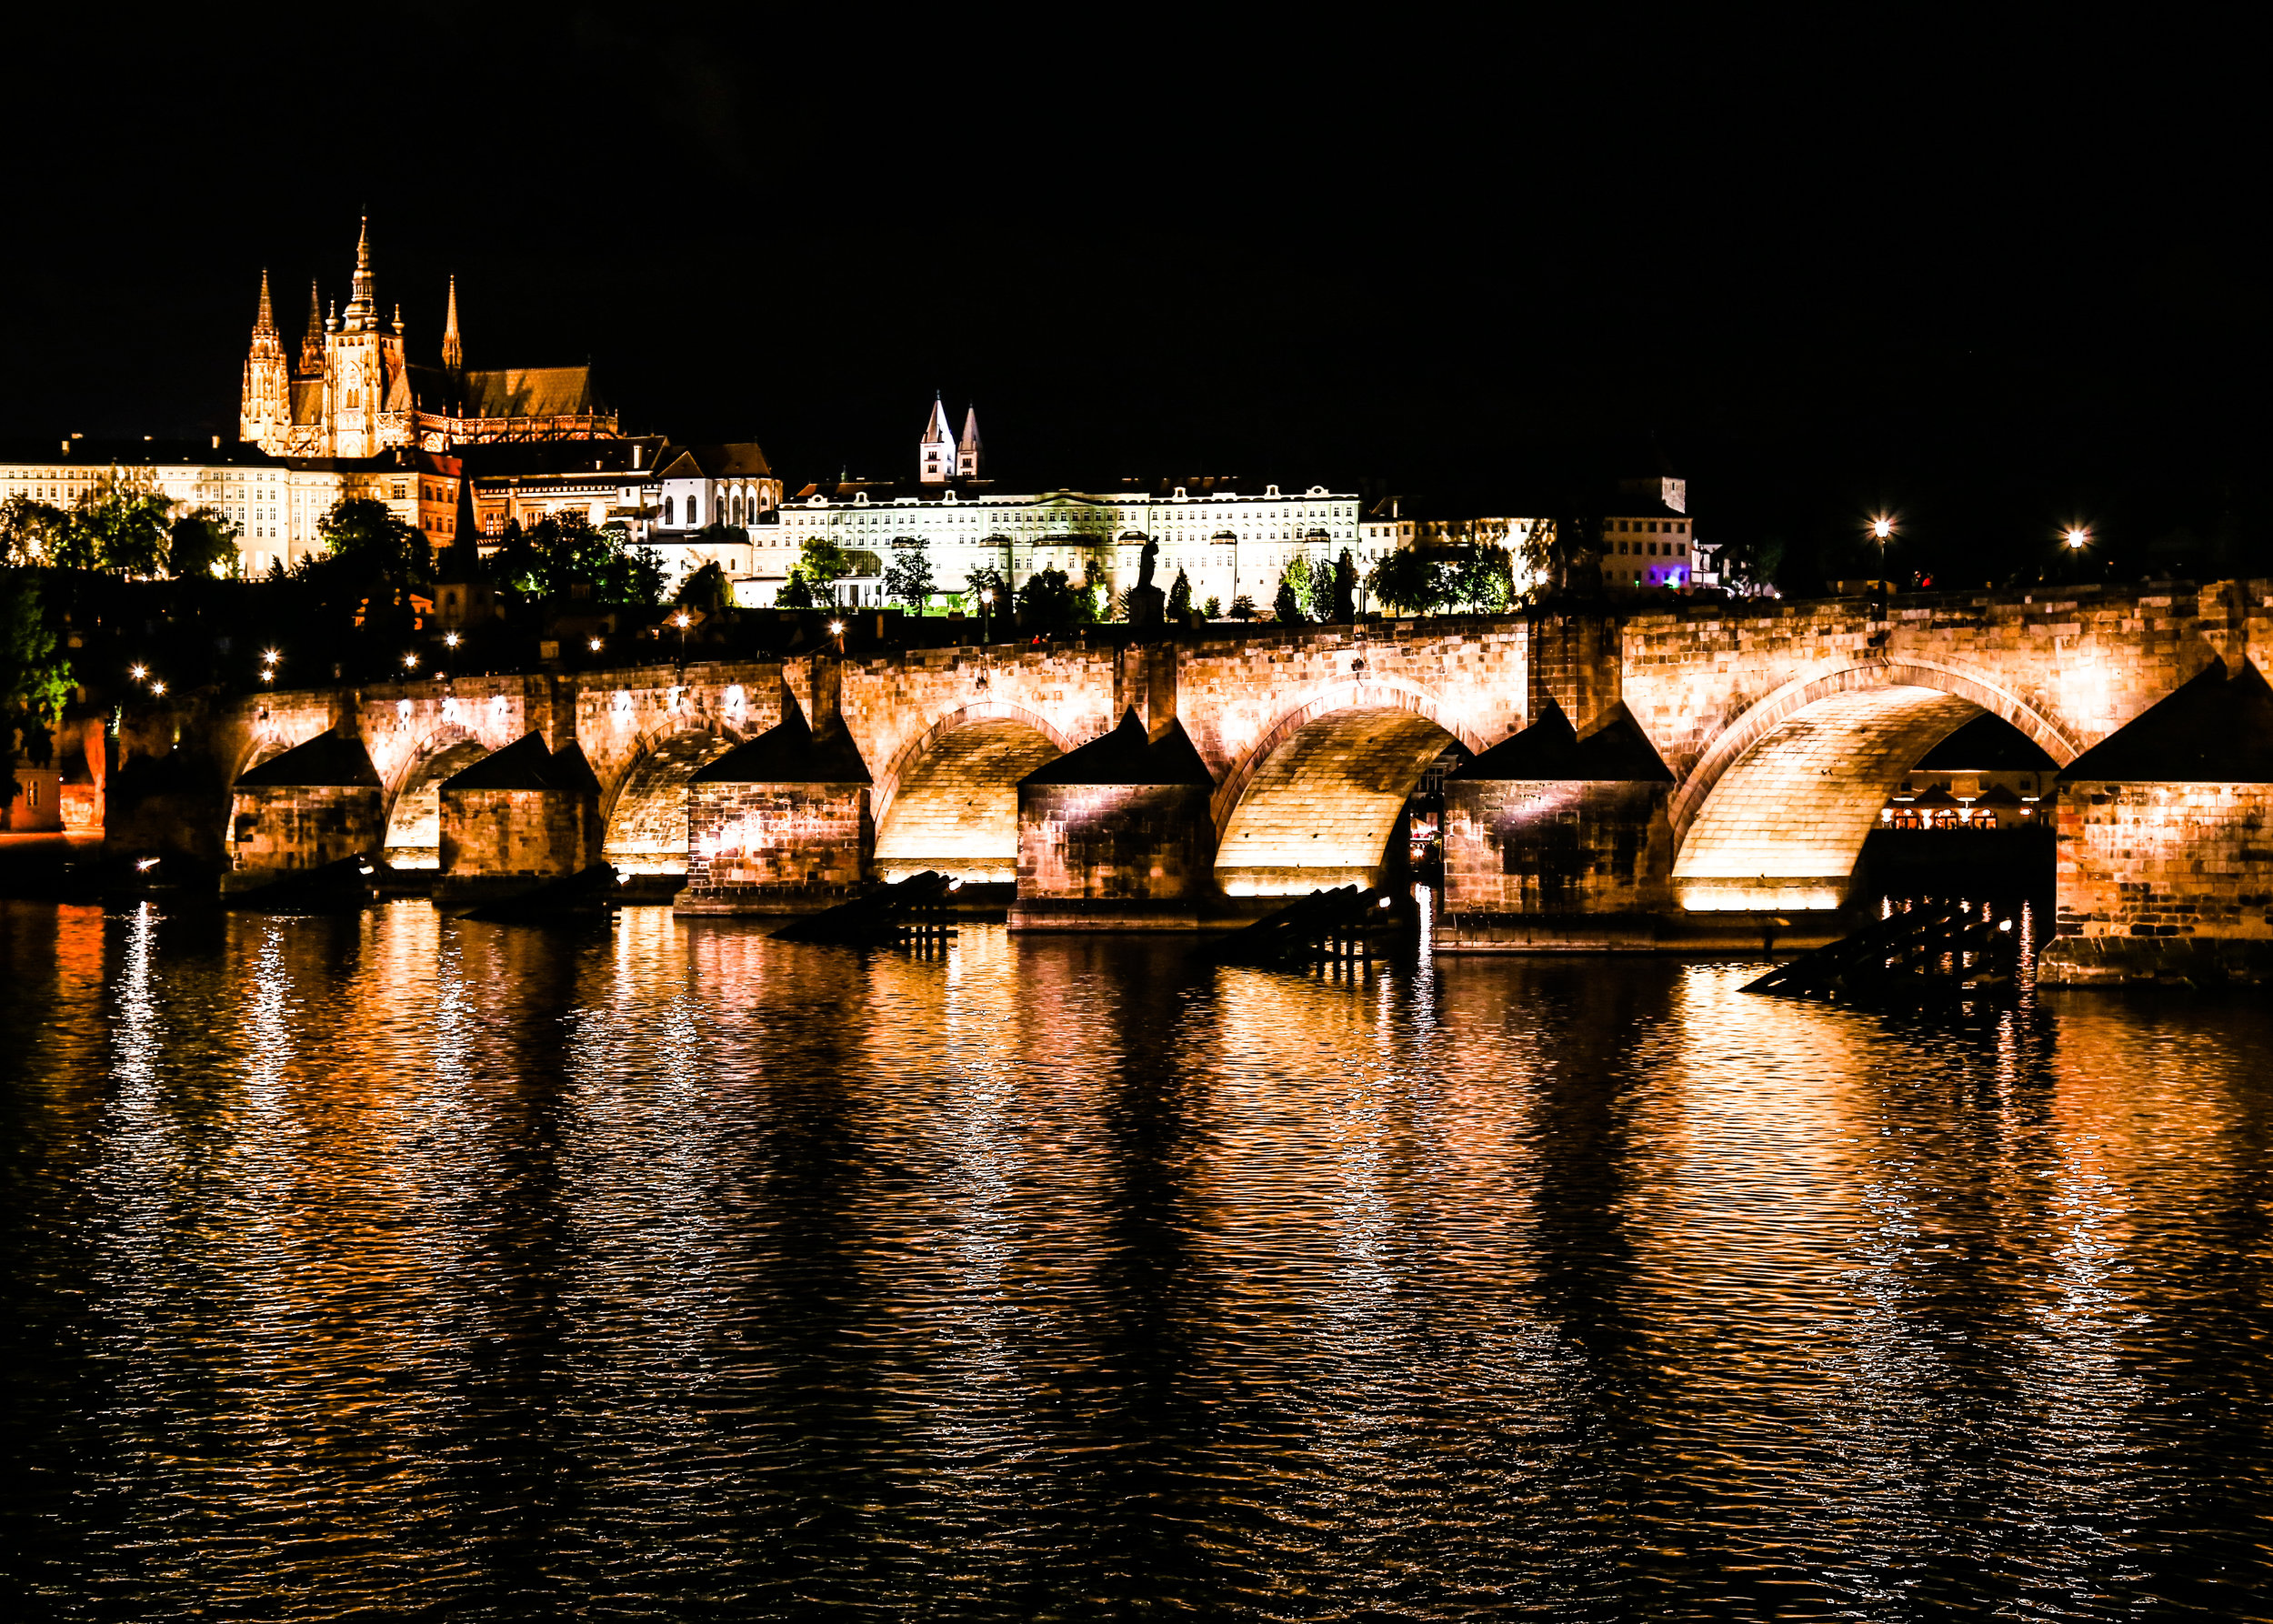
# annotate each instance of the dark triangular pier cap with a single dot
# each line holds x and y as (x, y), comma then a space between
(527, 764)
(1126, 756)
(2216, 729)
(1551, 748)
(1989, 743)
(327, 761)
(790, 753)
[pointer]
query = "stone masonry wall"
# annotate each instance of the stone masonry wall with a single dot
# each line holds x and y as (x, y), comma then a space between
(796, 841)
(304, 825)
(546, 833)
(1554, 846)
(1138, 842)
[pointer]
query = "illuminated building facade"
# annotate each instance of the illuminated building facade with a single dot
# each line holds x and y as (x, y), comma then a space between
(354, 393)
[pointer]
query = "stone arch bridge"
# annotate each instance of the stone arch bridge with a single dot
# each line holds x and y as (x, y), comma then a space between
(1770, 734)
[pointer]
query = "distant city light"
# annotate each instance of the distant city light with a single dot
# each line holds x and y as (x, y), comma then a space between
(595, 644)
(410, 661)
(835, 628)
(268, 676)
(157, 688)
(2079, 537)
(449, 640)
(681, 619)
(271, 656)
(144, 865)
(137, 672)
(1882, 527)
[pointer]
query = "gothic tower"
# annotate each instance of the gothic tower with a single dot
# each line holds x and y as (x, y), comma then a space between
(312, 342)
(453, 352)
(265, 412)
(935, 456)
(367, 395)
(970, 456)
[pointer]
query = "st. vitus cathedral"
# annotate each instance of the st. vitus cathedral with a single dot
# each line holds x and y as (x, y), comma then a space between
(356, 393)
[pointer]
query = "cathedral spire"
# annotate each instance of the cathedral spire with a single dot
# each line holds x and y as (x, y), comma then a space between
(453, 351)
(266, 321)
(312, 345)
(362, 311)
(935, 456)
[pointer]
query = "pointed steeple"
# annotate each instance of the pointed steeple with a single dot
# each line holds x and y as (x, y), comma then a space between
(312, 345)
(362, 309)
(453, 352)
(265, 323)
(969, 454)
(935, 456)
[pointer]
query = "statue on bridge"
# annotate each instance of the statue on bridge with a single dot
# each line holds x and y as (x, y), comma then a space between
(1146, 602)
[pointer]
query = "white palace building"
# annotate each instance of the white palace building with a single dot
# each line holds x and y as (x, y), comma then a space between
(1229, 537)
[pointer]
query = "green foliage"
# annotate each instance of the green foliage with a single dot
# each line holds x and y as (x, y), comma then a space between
(986, 579)
(1563, 556)
(35, 677)
(202, 543)
(1288, 604)
(708, 589)
(30, 532)
(1483, 582)
(823, 563)
(1750, 568)
(1313, 585)
(908, 578)
(1405, 581)
(366, 533)
(1050, 602)
(1180, 597)
(117, 531)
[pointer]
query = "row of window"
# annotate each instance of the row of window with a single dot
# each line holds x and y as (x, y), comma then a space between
(1672, 526)
(1674, 549)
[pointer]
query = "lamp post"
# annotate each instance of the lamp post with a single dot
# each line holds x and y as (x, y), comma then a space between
(1882, 530)
(985, 604)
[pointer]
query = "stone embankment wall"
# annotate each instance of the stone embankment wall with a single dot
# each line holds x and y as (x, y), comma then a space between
(283, 827)
(2163, 879)
(775, 847)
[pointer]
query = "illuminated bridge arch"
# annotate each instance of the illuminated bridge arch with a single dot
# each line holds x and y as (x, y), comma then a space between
(949, 799)
(645, 813)
(413, 811)
(1775, 814)
(1317, 798)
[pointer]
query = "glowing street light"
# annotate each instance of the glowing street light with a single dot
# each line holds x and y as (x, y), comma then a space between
(137, 672)
(450, 639)
(270, 656)
(157, 688)
(2079, 537)
(1881, 531)
(268, 676)
(682, 621)
(592, 644)
(410, 661)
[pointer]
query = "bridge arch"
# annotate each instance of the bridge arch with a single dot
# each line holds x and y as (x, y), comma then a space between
(1775, 813)
(1317, 798)
(414, 806)
(949, 799)
(645, 813)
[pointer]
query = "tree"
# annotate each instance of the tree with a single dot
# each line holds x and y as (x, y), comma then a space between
(1180, 597)
(34, 675)
(708, 589)
(117, 530)
(908, 578)
(367, 533)
(1288, 604)
(1313, 585)
(823, 564)
(630, 576)
(1402, 579)
(1050, 602)
(202, 543)
(1483, 582)
(30, 532)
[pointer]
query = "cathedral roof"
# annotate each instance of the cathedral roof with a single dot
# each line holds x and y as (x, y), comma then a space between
(732, 459)
(307, 400)
(506, 392)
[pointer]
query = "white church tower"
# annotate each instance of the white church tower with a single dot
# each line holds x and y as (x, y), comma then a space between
(934, 459)
(970, 456)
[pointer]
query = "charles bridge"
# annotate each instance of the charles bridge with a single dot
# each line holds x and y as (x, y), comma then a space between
(1692, 774)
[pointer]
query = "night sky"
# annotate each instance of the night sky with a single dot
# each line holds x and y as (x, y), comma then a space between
(1996, 281)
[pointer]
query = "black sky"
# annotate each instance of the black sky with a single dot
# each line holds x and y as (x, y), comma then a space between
(1996, 279)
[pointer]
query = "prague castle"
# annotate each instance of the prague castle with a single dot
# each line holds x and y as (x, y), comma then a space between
(356, 393)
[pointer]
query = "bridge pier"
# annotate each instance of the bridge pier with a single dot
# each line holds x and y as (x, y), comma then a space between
(1117, 835)
(516, 819)
(314, 804)
(780, 824)
(1557, 843)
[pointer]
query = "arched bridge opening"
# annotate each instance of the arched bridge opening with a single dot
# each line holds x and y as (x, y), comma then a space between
(646, 823)
(414, 824)
(952, 802)
(1321, 800)
(1775, 817)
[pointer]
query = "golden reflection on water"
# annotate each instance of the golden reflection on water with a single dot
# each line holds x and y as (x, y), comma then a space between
(432, 1264)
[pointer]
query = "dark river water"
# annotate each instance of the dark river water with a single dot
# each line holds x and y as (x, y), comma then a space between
(396, 1267)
